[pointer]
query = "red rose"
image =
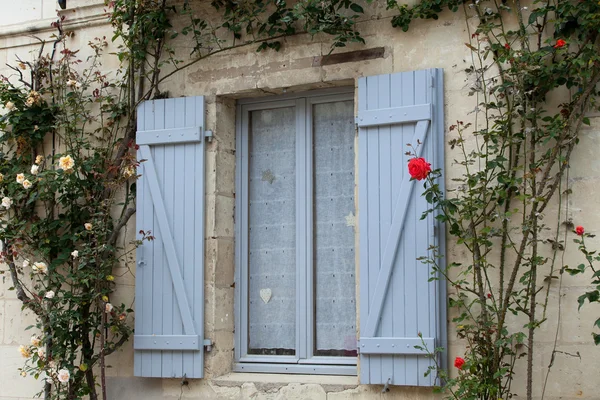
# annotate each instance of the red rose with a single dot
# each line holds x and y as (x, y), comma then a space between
(559, 43)
(489, 295)
(418, 168)
(459, 362)
(579, 230)
(507, 46)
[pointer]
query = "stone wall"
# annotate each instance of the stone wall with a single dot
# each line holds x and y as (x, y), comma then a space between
(245, 73)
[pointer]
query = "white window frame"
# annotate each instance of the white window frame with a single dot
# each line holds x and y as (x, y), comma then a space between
(303, 362)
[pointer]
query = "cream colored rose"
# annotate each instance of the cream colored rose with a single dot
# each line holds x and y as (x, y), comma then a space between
(27, 184)
(41, 353)
(20, 178)
(24, 351)
(9, 105)
(64, 375)
(66, 163)
(49, 294)
(108, 307)
(36, 341)
(39, 159)
(88, 226)
(1, 177)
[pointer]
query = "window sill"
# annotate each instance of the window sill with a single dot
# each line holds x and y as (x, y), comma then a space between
(331, 383)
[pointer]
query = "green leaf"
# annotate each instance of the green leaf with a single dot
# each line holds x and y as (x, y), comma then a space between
(356, 8)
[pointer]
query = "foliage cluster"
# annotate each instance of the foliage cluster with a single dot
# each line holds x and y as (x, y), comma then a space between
(65, 199)
(513, 159)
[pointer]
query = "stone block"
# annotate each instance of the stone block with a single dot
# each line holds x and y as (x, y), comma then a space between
(219, 264)
(15, 322)
(297, 391)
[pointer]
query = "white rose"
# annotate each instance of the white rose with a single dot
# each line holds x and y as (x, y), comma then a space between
(88, 226)
(35, 169)
(7, 202)
(27, 184)
(64, 375)
(49, 294)
(75, 254)
(20, 178)
(26, 262)
(108, 307)
(40, 267)
(41, 353)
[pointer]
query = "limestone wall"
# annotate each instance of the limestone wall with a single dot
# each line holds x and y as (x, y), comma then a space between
(245, 73)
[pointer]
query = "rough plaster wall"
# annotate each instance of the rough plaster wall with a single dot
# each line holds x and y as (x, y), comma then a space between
(243, 73)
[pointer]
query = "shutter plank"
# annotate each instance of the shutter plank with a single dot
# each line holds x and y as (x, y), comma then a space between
(363, 226)
(386, 213)
(422, 236)
(148, 280)
(140, 269)
(399, 173)
(157, 166)
(374, 210)
(178, 121)
(409, 265)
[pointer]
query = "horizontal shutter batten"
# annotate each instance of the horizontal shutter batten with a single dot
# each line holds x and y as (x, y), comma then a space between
(394, 115)
(387, 345)
(166, 342)
(170, 136)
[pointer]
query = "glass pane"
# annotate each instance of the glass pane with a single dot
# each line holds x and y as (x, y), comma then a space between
(334, 216)
(272, 236)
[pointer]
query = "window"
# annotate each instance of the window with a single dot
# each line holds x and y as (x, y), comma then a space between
(295, 234)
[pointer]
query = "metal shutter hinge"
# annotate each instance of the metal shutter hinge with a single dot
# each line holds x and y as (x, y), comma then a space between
(431, 81)
(209, 136)
(208, 345)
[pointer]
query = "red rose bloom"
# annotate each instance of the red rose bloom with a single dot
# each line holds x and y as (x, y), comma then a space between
(459, 362)
(418, 168)
(579, 230)
(559, 43)
(507, 46)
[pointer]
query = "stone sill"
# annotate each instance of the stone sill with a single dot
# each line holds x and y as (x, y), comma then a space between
(267, 382)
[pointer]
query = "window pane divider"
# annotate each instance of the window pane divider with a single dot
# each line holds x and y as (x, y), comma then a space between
(301, 229)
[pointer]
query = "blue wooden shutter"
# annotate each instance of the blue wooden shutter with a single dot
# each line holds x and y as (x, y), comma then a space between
(397, 300)
(169, 295)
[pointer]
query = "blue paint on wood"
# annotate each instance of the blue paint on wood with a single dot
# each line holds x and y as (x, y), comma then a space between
(169, 322)
(397, 300)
